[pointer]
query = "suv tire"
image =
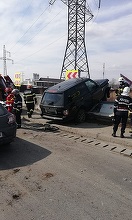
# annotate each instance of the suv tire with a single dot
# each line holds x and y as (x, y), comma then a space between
(80, 116)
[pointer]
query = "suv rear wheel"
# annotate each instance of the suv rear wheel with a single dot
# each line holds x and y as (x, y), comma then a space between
(80, 116)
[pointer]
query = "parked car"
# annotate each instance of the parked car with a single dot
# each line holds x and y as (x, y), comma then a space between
(73, 98)
(7, 126)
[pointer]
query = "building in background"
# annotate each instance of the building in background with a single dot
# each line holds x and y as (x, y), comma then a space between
(39, 84)
(35, 76)
(46, 82)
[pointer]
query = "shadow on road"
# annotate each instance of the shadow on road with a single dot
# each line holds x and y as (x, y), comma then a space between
(21, 153)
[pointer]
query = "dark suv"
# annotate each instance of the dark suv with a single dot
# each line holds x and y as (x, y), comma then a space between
(73, 98)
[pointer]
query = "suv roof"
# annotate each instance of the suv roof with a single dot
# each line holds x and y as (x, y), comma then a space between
(61, 87)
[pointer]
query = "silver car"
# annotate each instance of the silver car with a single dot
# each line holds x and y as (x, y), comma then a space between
(7, 126)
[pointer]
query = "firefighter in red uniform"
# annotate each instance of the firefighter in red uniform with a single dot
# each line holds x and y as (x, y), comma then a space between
(9, 99)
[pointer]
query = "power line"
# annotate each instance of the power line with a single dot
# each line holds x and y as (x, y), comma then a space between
(39, 31)
(29, 28)
(41, 49)
(95, 17)
(20, 19)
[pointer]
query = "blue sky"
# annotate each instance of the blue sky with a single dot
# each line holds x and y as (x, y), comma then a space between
(36, 35)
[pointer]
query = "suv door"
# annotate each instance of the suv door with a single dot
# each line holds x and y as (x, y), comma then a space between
(85, 100)
(95, 90)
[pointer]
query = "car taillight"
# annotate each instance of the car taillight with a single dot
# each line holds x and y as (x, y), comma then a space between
(66, 112)
(11, 119)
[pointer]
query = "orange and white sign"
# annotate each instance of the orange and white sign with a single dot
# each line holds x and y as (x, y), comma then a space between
(71, 74)
(17, 79)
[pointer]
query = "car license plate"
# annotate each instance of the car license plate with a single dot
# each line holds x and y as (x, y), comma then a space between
(1, 135)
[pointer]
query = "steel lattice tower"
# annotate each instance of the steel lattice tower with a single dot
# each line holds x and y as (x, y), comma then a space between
(75, 54)
(4, 58)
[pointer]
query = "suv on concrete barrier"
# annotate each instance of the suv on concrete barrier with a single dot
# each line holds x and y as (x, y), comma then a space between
(73, 98)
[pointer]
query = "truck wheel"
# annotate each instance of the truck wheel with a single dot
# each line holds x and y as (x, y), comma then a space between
(81, 116)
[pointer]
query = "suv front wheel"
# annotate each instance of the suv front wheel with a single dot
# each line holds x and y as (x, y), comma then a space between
(80, 116)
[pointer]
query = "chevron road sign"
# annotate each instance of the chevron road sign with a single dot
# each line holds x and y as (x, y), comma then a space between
(71, 74)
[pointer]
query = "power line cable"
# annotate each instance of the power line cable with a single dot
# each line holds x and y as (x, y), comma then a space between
(39, 31)
(29, 28)
(20, 19)
(95, 17)
(41, 49)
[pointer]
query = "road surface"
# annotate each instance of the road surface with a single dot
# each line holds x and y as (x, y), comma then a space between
(46, 175)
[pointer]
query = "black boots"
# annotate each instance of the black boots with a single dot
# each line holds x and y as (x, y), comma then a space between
(122, 135)
(114, 134)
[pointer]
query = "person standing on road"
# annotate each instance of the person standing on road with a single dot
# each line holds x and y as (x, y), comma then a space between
(30, 100)
(17, 106)
(122, 105)
(9, 99)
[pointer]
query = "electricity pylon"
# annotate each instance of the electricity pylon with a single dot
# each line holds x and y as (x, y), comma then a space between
(75, 54)
(4, 58)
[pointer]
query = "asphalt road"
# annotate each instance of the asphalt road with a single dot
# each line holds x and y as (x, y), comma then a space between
(58, 175)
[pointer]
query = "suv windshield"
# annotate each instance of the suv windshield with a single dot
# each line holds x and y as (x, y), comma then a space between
(52, 99)
(92, 86)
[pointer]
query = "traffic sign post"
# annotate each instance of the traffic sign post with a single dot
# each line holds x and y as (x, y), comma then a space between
(71, 74)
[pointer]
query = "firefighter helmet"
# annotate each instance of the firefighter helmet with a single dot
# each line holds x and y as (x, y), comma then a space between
(15, 91)
(121, 79)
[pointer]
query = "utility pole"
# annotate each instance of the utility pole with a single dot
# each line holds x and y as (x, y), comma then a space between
(75, 54)
(4, 58)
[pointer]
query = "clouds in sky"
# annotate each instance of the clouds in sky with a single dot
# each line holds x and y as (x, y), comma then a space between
(36, 35)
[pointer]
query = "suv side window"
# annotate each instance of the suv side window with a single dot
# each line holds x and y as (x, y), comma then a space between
(82, 88)
(92, 86)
